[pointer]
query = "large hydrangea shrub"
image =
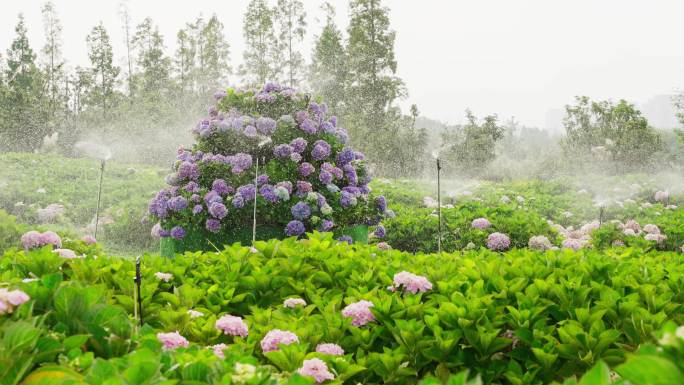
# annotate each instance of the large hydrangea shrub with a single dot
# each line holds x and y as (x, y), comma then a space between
(308, 179)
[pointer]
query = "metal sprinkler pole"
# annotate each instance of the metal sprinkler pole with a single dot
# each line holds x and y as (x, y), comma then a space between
(138, 280)
(256, 179)
(99, 196)
(439, 207)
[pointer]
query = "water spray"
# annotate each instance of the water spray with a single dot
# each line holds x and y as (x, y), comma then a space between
(101, 153)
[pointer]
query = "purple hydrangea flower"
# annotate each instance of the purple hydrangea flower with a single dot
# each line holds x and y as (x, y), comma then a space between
(218, 210)
(212, 197)
(247, 192)
(298, 145)
(306, 169)
(308, 126)
(158, 208)
(300, 116)
(327, 167)
(238, 202)
(341, 135)
(350, 173)
(195, 198)
(301, 211)
(381, 203)
(265, 97)
(326, 225)
(266, 126)
(498, 242)
(188, 171)
(345, 156)
(177, 232)
(347, 199)
(213, 225)
(325, 177)
(221, 187)
(321, 150)
(294, 228)
(295, 157)
(345, 238)
(272, 87)
(328, 128)
(218, 95)
(337, 172)
(287, 185)
(177, 203)
(282, 151)
(240, 162)
(380, 231)
(262, 179)
(197, 209)
(320, 200)
(268, 192)
(250, 131)
(303, 188)
(191, 187)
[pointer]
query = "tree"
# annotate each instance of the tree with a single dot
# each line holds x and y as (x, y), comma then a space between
(126, 21)
(23, 123)
(328, 70)
(185, 58)
(472, 147)
(604, 131)
(261, 56)
(54, 65)
(213, 56)
(154, 66)
(290, 22)
(104, 71)
(373, 85)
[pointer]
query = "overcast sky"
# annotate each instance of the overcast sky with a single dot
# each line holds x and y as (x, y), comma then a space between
(511, 57)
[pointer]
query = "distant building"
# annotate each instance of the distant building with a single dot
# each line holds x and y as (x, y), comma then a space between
(660, 112)
(554, 121)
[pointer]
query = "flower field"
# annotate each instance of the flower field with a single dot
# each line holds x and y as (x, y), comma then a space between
(540, 282)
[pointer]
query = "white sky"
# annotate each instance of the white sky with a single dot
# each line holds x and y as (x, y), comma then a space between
(512, 57)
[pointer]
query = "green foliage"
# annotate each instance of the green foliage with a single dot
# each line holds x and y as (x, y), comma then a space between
(616, 134)
(471, 147)
(513, 318)
(10, 231)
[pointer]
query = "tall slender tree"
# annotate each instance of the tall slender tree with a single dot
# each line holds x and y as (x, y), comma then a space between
(153, 64)
(127, 29)
(261, 56)
(328, 70)
(23, 118)
(105, 73)
(213, 58)
(54, 65)
(372, 82)
(290, 24)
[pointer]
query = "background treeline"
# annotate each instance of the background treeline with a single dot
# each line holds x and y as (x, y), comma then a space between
(142, 108)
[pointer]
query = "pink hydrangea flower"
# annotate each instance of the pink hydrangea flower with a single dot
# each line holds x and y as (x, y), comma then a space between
(218, 350)
(572, 243)
(651, 229)
(66, 253)
(481, 223)
(384, 246)
(10, 299)
(498, 242)
(31, 239)
(51, 238)
(317, 369)
(360, 312)
(633, 225)
(411, 283)
(172, 340)
(232, 325)
(89, 240)
(166, 277)
(661, 196)
(195, 313)
(294, 302)
(629, 232)
(660, 238)
(276, 337)
(331, 349)
(539, 242)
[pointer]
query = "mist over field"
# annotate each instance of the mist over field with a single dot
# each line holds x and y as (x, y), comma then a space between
(342, 192)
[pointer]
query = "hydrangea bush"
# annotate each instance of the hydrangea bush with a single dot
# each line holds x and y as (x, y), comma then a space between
(308, 177)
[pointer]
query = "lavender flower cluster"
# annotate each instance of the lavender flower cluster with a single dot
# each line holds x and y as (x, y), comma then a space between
(310, 169)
